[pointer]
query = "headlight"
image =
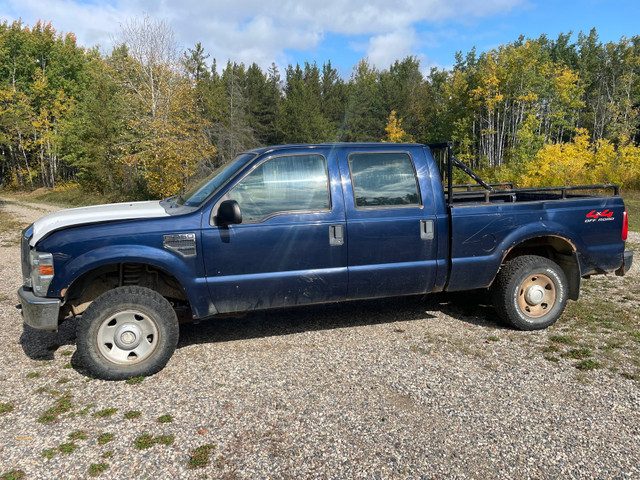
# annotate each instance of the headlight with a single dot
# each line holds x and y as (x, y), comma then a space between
(41, 272)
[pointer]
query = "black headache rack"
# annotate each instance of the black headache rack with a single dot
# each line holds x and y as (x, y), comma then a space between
(499, 192)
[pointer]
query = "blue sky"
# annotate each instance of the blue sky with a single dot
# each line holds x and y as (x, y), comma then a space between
(293, 31)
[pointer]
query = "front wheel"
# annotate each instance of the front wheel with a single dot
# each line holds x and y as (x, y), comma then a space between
(127, 332)
(530, 292)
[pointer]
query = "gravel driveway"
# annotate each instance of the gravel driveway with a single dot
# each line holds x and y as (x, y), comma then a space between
(404, 388)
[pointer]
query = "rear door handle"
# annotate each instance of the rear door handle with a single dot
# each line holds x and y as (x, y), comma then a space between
(426, 229)
(336, 235)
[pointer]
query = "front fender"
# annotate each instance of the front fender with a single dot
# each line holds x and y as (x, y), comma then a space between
(184, 269)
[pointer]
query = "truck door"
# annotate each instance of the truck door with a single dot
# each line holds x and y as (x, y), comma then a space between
(391, 227)
(290, 248)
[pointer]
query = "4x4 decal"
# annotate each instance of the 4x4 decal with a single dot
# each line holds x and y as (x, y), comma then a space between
(596, 216)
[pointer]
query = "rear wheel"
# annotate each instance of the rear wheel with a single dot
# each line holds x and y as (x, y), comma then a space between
(530, 292)
(127, 332)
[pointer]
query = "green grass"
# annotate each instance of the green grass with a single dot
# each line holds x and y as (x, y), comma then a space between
(144, 441)
(165, 418)
(599, 331)
(33, 375)
(86, 409)
(165, 440)
(78, 435)
(96, 469)
(105, 438)
(200, 456)
(67, 448)
(14, 475)
(134, 380)
(577, 353)
(49, 453)
(6, 407)
(107, 412)
(588, 365)
(62, 405)
(73, 196)
(131, 414)
(632, 202)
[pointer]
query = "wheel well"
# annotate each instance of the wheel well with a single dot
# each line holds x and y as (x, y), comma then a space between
(94, 283)
(556, 249)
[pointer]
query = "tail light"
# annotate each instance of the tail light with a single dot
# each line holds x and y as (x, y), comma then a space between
(625, 226)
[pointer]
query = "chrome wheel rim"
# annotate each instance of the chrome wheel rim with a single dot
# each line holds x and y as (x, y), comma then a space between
(537, 295)
(127, 337)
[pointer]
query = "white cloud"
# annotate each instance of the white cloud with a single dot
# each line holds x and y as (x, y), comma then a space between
(257, 30)
(385, 49)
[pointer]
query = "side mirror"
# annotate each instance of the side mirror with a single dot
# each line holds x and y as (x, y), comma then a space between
(229, 213)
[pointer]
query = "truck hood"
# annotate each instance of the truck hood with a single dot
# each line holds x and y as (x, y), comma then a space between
(95, 214)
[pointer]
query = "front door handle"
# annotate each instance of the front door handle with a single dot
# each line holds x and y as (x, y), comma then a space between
(336, 235)
(426, 229)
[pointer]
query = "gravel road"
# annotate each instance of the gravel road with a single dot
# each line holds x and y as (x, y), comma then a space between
(404, 388)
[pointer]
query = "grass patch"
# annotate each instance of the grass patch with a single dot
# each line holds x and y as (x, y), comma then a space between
(78, 435)
(70, 196)
(107, 454)
(131, 414)
(62, 405)
(86, 409)
(632, 204)
(14, 475)
(50, 391)
(563, 339)
(96, 469)
(577, 353)
(134, 380)
(493, 339)
(587, 365)
(48, 453)
(200, 456)
(6, 407)
(67, 365)
(66, 353)
(165, 418)
(32, 375)
(165, 440)
(67, 448)
(63, 380)
(105, 438)
(144, 441)
(107, 412)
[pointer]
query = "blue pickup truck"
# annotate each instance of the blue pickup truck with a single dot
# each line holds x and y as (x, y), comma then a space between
(306, 224)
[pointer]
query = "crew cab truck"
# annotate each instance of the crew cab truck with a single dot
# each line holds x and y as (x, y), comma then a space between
(306, 224)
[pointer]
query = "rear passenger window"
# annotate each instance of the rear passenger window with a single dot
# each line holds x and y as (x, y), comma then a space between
(383, 180)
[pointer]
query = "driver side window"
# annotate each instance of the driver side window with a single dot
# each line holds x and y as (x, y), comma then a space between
(280, 185)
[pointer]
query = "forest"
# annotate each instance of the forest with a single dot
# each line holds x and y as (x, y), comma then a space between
(148, 118)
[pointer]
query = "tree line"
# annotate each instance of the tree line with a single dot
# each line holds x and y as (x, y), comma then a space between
(147, 118)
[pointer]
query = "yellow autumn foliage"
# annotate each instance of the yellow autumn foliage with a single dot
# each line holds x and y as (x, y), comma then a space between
(395, 133)
(584, 162)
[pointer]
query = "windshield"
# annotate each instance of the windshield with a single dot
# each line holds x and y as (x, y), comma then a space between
(202, 190)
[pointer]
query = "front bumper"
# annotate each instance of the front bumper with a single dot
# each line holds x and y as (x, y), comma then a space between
(39, 312)
(626, 263)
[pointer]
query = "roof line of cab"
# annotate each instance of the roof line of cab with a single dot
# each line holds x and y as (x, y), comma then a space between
(292, 146)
